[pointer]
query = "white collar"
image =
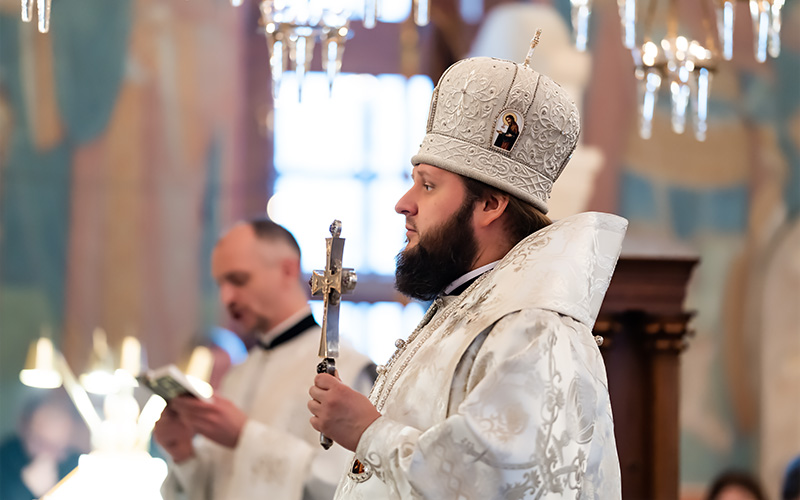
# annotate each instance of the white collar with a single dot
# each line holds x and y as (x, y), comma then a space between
(472, 274)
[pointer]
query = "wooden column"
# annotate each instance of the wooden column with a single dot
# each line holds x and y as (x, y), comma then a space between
(644, 326)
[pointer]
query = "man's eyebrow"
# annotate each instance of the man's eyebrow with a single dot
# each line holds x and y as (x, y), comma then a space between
(422, 175)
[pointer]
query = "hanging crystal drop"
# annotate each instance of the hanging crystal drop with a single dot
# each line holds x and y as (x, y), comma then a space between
(277, 60)
(300, 57)
(627, 15)
(27, 10)
(370, 13)
(775, 28)
(759, 10)
(333, 50)
(700, 93)
(648, 85)
(43, 6)
(680, 100)
(422, 12)
(726, 14)
(581, 10)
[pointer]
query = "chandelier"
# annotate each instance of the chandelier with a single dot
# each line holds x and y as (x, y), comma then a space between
(683, 65)
(294, 27)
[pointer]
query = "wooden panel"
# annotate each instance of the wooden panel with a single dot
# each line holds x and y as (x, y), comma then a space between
(644, 327)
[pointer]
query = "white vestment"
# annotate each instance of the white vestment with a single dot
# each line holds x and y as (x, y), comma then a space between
(501, 391)
(278, 456)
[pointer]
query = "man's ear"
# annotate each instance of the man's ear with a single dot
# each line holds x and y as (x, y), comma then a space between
(489, 209)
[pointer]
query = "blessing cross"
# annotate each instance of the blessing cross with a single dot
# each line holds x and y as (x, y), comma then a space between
(331, 284)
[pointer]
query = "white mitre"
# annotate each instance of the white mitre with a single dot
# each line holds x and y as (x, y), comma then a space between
(502, 123)
(505, 34)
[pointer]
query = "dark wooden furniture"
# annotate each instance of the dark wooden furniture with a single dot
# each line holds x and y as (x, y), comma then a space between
(644, 326)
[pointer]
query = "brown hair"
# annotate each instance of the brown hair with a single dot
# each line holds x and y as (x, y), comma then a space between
(522, 219)
(266, 229)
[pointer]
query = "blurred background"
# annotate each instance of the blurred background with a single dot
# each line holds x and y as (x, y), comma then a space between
(134, 131)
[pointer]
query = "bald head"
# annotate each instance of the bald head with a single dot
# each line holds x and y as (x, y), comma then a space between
(256, 265)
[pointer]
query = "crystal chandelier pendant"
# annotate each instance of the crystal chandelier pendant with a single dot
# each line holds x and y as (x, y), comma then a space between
(701, 62)
(27, 10)
(333, 50)
(301, 49)
(371, 12)
(650, 66)
(679, 69)
(421, 11)
(760, 12)
(775, 28)
(581, 10)
(700, 92)
(648, 85)
(277, 57)
(627, 15)
(726, 15)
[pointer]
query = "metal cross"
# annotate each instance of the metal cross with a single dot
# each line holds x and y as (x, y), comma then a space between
(331, 283)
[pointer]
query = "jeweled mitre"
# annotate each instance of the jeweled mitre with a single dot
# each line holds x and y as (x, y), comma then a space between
(501, 123)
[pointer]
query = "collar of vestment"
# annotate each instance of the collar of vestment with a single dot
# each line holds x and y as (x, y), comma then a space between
(462, 283)
(565, 268)
(287, 330)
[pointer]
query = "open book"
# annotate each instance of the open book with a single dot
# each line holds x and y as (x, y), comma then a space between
(169, 382)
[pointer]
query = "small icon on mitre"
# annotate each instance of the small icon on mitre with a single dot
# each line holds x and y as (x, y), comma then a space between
(507, 129)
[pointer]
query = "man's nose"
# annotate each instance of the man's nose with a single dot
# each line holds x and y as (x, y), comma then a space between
(226, 294)
(405, 205)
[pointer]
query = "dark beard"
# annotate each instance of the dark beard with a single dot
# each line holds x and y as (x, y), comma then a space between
(438, 259)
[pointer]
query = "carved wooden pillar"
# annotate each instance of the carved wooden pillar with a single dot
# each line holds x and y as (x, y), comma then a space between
(644, 326)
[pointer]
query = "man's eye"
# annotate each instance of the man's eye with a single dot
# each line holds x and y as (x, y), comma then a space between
(237, 280)
(427, 187)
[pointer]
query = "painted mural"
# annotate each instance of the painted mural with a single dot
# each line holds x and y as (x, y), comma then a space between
(120, 141)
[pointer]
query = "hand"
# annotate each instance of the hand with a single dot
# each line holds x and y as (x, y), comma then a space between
(218, 419)
(174, 435)
(339, 412)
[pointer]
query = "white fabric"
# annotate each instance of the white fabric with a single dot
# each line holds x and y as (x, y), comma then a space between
(501, 392)
(278, 456)
(468, 276)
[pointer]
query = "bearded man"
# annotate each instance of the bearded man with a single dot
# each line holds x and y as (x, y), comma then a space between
(501, 391)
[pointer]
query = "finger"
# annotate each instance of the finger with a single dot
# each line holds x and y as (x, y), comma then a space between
(315, 423)
(315, 407)
(190, 404)
(317, 393)
(325, 381)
